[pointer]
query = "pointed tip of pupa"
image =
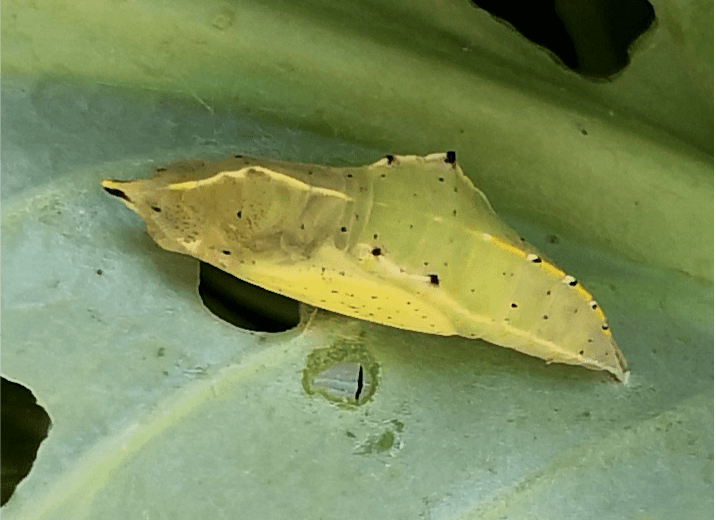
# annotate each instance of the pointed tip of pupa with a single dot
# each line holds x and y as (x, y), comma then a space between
(112, 187)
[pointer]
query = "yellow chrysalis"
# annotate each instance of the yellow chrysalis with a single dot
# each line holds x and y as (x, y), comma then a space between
(407, 241)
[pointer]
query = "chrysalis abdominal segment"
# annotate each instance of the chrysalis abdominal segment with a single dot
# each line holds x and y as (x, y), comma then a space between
(407, 241)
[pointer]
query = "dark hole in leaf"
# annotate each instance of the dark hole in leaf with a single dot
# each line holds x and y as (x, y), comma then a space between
(245, 305)
(360, 382)
(24, 425)
(590, 37)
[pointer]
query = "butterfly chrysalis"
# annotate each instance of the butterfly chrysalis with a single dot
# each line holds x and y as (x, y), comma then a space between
(407, 241)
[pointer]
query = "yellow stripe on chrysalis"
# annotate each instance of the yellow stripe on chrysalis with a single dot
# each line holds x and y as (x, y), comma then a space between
(279, 177)
(551, 269)
(504, 245)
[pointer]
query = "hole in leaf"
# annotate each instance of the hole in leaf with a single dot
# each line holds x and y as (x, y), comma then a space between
(245, 305)
(25, 424)
(590, 37)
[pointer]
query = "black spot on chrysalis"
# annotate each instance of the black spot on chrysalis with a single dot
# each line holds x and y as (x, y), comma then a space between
(226, 252)
(441, 179)
(605, 326)
(450, 157)
(544, 317)
(434, 279)
(349, 175)
(573, 283)
(118, 193)
(157, 209)
(343, 229)
(513, 305)
(390, 158)
(537, 260)
(238, 214)
(375, 237)
(376, 251)
(238, 156)
(160, 169)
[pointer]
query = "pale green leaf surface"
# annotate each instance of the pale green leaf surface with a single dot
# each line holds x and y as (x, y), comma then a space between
(161, 411)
